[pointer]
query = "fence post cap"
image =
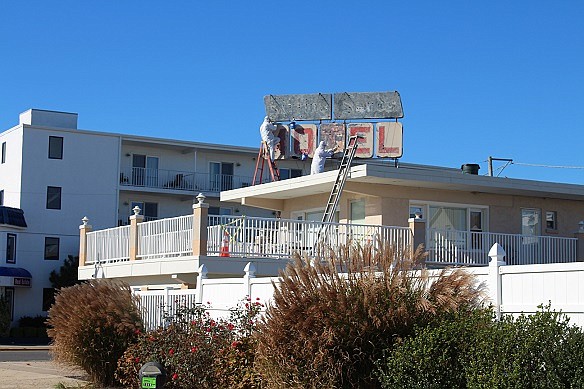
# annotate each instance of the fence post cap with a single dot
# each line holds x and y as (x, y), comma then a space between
(497, 252)
(250, 269)
(202, 270)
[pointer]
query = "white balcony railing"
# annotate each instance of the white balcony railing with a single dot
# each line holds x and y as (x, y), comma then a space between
(106, 246)
(471, 248)
(182, 180)
(252, 237)
(279, 238)
(166, 237)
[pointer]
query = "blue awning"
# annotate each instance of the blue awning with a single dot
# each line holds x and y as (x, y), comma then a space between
(15, 276)
(6, 271)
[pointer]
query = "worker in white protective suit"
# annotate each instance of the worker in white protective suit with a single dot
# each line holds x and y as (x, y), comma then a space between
(320, 156)
(267, 132)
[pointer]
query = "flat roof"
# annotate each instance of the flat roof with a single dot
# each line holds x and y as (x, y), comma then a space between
(408, 175)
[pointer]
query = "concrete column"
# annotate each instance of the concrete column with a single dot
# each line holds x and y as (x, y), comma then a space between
(580, 242)
(497, 254)
(83, 230)
(418, 228)
(200, 222)
(135, 219)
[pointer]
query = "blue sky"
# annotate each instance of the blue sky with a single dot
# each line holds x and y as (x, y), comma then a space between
(499, 78)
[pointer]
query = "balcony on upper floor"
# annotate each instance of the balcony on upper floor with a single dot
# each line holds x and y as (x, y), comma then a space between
(182, 181)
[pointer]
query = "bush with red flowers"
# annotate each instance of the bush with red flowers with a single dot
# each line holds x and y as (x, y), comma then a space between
(197, 350)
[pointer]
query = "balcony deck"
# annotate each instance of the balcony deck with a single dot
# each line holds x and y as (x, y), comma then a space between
(251, 237)
(176, 180)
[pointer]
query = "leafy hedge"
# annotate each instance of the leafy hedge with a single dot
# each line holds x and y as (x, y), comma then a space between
(474, 351)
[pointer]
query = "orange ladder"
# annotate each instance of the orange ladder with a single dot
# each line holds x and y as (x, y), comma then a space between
(263, 156)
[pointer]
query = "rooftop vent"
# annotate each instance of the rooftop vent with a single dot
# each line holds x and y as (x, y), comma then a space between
(470, 168)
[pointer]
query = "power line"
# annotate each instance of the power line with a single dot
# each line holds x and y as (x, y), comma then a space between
(548, 166)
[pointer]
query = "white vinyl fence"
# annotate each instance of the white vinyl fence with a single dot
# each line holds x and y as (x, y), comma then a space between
(513, 289)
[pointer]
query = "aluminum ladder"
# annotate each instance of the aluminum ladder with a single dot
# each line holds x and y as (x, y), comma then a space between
(345, 166)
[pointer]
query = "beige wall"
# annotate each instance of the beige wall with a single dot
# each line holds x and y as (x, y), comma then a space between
(389, 205)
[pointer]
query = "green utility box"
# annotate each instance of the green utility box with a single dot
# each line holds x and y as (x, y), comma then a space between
(152, 376)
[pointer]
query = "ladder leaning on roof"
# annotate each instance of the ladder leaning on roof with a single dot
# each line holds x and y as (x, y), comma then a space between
(345, 166)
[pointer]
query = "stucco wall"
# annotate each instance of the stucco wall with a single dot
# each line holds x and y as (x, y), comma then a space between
(389, 205)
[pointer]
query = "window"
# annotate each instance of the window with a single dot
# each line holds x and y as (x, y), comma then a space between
(530, 222)
(51, 249)
(53, 197)
(551, 220)
(3, 152)
(286, 173)
(358, 212)
(417, 211)
(55, 147)
(149, 210)
(144, 170)
(221, 176)
(48, 298)
(2, 197)
(219, 211)
(10, 248)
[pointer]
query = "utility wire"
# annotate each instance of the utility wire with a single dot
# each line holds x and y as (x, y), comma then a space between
(550, 166)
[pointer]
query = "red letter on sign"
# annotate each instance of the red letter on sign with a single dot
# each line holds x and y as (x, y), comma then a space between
(365, 149)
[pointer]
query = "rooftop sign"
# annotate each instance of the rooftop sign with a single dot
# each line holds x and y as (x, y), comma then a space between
(316, 106)
(369, 105)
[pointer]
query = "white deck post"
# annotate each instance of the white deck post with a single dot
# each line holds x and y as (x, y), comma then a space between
(497, 253)
(202, 275)
(83, 230)
(200, 222)
(250, 271)
(134, 220)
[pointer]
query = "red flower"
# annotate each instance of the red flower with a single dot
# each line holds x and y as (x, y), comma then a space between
(152, 338)
(171, 351)
(136, 360)
(174, 376)
(235, 344)
(194, 349)
(230, 327)
(137, 331)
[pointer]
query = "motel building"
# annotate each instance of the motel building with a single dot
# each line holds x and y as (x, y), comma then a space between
(456, 214)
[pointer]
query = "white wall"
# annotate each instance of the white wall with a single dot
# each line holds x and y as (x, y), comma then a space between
(87, 175)
(11, 170)
(523, 287)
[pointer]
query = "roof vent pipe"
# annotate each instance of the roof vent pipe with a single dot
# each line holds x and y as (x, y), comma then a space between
(470, 168)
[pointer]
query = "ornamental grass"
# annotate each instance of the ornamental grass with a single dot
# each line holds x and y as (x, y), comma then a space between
(92, 324)
(332, 318)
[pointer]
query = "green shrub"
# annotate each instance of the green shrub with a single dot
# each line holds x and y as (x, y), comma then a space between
(472, 350)
(17, 332)
(436, 356)
(4, 317)
(532, 351)
(29, 332)
(197, 351)
(37, 321)
(92, 324)
(326, 330)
